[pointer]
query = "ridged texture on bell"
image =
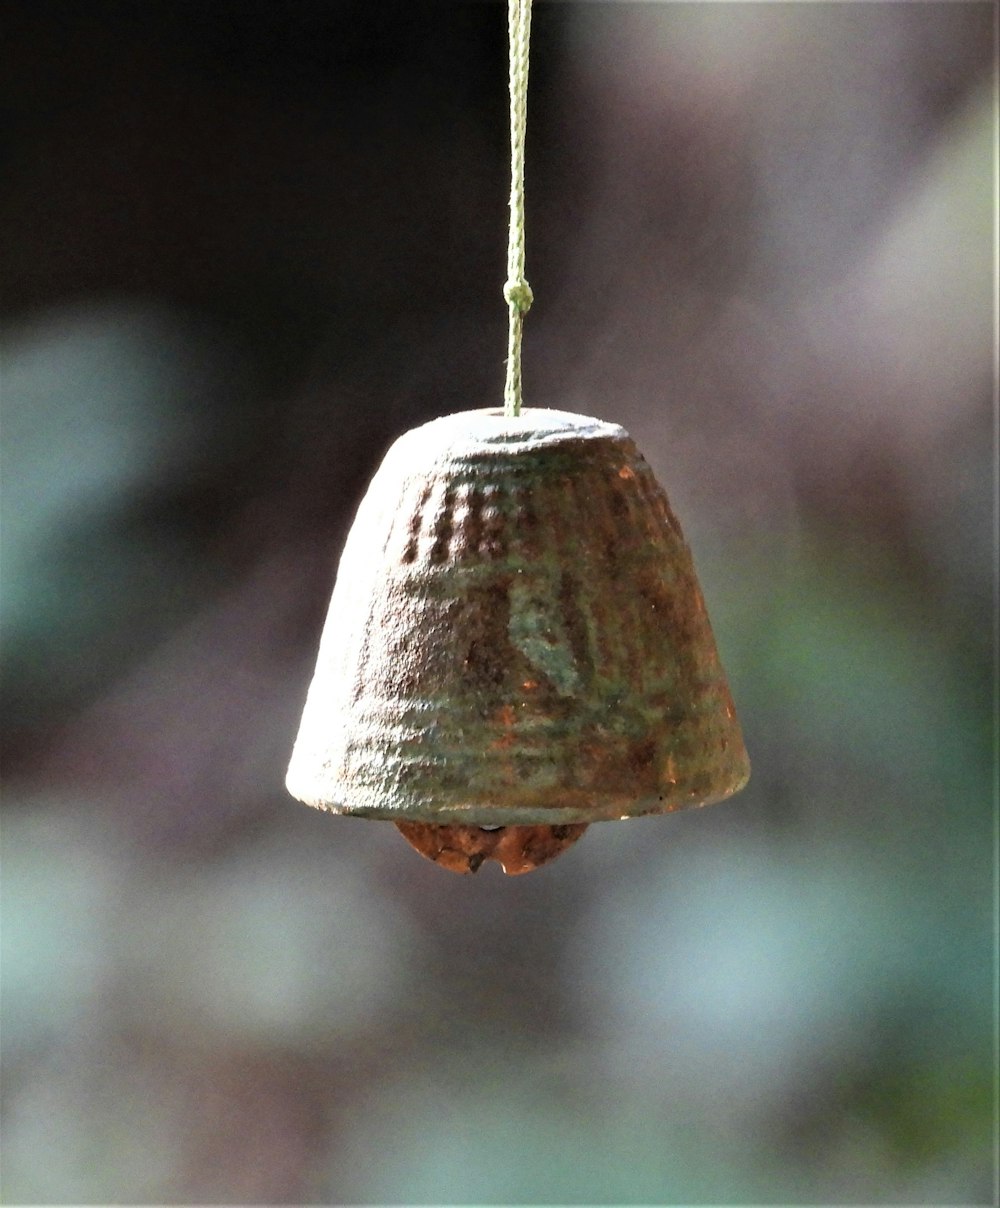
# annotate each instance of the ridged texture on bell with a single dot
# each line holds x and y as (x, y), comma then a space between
(516, 636)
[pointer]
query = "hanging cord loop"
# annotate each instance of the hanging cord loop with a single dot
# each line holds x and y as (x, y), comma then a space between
(516, 290)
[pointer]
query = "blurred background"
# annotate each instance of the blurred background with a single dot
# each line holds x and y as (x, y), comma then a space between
(247, 245)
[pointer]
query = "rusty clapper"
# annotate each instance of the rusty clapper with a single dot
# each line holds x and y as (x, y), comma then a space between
(517, 646)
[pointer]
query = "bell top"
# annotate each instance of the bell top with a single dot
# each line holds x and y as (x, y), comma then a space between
(516, 637)
(490, 431)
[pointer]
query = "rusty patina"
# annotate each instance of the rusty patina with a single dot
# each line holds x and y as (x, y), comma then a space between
(517, 638)
(465, 849)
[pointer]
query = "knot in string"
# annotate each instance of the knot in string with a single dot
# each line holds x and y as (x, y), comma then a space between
(519, 295)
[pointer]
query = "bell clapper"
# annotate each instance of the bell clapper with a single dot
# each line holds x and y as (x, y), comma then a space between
(465, 849)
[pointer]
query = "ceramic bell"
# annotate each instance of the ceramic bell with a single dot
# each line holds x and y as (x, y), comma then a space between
(516, 646)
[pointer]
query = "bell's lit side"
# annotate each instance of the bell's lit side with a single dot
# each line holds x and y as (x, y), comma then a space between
(516, 640)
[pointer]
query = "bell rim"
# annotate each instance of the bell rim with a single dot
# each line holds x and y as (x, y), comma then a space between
(601, 807)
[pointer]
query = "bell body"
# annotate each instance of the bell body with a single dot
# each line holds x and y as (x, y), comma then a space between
(516, 637)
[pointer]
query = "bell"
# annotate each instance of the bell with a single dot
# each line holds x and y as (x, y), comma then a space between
(517, 646)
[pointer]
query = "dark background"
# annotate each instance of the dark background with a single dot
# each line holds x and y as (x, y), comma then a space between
(245, 245)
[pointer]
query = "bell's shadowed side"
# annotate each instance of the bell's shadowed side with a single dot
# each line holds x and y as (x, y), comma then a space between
(516, 640)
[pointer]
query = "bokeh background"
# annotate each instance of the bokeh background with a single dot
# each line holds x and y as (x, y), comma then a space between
(245, 246)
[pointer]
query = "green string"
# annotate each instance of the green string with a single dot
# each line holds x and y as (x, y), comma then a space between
(516, 290)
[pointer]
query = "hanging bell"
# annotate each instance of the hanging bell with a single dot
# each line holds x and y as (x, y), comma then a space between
(516, 646)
